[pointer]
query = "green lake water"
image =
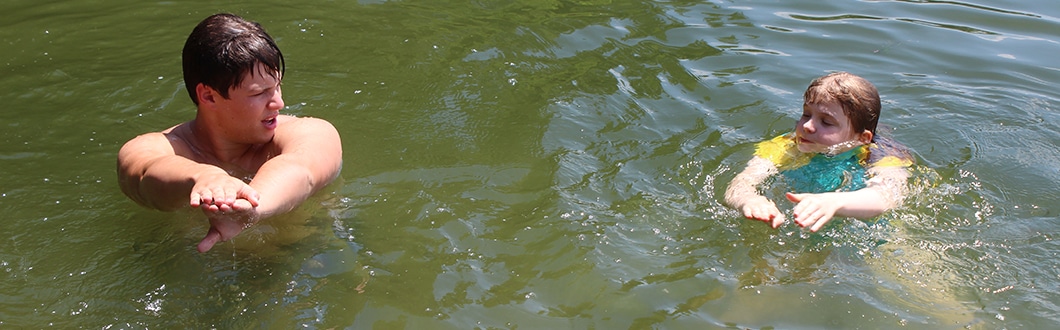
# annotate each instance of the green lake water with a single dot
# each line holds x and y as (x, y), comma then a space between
(540, 165)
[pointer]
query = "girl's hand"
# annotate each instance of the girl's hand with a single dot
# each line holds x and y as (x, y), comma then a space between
(814, 210)
(762, 209)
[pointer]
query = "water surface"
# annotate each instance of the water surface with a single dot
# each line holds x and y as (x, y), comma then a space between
(545, 164)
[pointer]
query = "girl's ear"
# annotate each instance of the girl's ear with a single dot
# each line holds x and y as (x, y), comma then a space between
(865, 137)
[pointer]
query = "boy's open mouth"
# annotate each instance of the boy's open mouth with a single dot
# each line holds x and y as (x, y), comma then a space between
(269, 123)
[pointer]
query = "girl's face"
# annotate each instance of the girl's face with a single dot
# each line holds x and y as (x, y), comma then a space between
(824, 125)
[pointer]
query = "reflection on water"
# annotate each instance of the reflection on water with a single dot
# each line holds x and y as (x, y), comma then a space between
(551, 164)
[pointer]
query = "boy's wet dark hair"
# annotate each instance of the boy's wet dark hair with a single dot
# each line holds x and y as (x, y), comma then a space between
(225, 47)
(858, 98)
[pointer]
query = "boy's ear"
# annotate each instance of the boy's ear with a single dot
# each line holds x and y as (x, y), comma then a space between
(206, 94)
(865, 137)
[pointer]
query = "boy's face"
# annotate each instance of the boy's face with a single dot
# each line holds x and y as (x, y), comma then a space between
(823, 125)
(251, 108)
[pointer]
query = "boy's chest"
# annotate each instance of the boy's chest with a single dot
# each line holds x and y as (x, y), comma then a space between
(243, 167)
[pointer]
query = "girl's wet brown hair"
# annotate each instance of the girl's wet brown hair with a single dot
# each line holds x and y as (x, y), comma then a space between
(858, 97)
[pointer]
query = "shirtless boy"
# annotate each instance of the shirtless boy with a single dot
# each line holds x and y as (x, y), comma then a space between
(239, 160)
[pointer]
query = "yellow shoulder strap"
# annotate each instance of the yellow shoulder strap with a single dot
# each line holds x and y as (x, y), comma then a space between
(781, 151)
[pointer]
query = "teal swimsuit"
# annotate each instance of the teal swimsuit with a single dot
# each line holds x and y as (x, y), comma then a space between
(842, 172)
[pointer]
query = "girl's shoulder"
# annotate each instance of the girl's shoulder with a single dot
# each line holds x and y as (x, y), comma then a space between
(782, 152)
(887, 152)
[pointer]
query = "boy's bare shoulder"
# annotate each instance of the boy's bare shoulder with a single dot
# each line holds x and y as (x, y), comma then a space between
(172, 140)
(145, 142)
(298, 128)
(303, 123)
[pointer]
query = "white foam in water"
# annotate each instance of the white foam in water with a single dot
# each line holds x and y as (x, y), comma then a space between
(841, 147)
(838, 148)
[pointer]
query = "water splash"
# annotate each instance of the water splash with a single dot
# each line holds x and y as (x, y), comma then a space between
(841, 147)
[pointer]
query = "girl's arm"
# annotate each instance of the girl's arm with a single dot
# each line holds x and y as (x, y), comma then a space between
(884, 191)
(742, 193)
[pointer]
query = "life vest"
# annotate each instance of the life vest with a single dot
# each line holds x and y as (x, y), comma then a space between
(817, 173)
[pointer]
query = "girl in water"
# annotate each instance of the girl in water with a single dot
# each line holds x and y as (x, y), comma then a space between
(834, 160)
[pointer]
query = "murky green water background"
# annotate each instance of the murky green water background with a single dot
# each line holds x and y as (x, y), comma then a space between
(540, 165)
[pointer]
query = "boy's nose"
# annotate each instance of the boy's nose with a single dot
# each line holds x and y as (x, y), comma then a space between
(276, 102)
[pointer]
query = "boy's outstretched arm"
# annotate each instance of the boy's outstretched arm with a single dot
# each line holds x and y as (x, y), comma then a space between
(884, 191)
(742, 193)
(152, 174)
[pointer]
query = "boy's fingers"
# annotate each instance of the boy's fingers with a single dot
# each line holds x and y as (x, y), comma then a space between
(212, 237)
(195, 199)
(248, 193)
(243, 205)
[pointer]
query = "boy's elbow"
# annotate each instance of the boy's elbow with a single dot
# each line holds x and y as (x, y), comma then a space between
(147, 193)
(321, 177)
(130, 186)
